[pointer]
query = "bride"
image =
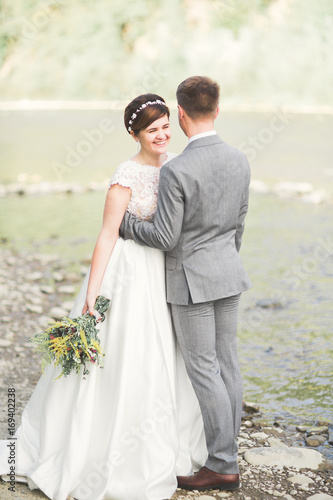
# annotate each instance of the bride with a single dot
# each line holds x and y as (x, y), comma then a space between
(127, 430)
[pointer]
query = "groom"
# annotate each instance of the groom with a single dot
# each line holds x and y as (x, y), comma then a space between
(199, 222)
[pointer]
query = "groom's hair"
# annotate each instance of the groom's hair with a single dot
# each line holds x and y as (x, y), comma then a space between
(198, 96)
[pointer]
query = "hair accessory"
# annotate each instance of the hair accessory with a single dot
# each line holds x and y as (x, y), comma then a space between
(148, 103)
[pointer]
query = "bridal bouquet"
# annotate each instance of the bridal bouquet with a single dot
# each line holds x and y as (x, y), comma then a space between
(71, 343)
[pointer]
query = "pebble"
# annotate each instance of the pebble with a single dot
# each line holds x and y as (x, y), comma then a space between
(72, 277)
(5, 343)
(300, 479)
(315, 440)
(44, 320)
(12, 261)
(251, 407)
(68, 305)
(3, 291)
(316, 430)
(330, 436)
(57, 276)
(58, 312)
(268, 304)
(206, 497)
(259, 435)
(34, 308)
(66, 289)
(35, 276)
(259, 187)
(84, 270)
(46, 258)
(288, 457)
(286, 189)
(35, 300)
(316, 197)
(301, 428)
(276, 442)
(47, 289)
(86, 259)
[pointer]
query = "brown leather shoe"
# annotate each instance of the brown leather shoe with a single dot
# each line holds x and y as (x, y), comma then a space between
(207, 479)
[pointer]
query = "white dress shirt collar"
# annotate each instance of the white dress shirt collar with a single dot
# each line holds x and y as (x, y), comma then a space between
(203, 134)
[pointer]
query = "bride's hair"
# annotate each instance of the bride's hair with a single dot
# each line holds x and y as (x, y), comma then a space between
(143, 111)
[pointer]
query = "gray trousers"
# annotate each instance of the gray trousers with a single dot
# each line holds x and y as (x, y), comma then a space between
(206, 334)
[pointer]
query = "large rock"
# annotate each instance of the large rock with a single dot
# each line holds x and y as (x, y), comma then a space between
(285, 457)
(320, 496)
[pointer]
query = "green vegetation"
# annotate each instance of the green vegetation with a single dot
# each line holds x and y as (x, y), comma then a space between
(263, 51)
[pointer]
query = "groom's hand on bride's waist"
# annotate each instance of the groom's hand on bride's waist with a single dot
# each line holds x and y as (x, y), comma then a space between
(125, 229)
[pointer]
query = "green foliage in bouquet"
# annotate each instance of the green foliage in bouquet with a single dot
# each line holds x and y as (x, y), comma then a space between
(71, 343)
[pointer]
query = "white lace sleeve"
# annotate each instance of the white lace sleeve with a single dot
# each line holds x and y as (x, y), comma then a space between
(124, 175)
(143, 182)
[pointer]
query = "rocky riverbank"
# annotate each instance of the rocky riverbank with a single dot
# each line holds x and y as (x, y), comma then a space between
(303, 191)
(279, 461)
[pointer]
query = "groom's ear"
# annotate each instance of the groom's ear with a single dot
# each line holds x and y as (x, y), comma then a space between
(180, 111)
(217, 112)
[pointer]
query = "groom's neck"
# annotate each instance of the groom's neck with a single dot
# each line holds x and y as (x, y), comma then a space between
(195, 127)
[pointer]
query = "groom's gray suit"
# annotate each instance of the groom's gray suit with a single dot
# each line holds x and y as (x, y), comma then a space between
(199, 222)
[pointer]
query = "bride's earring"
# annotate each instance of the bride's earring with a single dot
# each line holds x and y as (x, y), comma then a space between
(138, 146)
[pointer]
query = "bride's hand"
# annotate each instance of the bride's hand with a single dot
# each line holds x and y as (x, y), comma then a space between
(89, 305)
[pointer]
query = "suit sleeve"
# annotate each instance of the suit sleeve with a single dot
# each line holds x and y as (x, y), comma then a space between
(243, 209)
(164, 231)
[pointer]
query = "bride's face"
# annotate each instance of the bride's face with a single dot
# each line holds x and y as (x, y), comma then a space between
(156, 137)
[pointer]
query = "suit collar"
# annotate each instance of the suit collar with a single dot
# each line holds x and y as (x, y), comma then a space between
(204, 141)
(202, 134)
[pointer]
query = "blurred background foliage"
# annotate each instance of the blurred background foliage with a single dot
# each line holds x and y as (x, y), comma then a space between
(263, 51)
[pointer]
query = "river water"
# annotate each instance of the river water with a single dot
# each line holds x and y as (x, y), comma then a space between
(286, 328)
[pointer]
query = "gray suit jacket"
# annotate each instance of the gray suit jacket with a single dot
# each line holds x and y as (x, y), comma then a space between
(199, 222)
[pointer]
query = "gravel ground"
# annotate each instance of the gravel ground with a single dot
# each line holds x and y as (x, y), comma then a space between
(30, 286)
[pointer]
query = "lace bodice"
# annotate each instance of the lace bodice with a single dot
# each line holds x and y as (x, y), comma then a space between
(143, 181)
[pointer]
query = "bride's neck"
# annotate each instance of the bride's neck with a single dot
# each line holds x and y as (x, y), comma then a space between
(150, 159)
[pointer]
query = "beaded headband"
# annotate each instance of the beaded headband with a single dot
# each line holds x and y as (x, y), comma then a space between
(148, 103)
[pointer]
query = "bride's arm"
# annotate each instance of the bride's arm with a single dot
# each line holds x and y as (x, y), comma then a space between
(116, 203)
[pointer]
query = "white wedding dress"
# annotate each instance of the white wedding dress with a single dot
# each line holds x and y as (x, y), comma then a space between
(128, 429)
